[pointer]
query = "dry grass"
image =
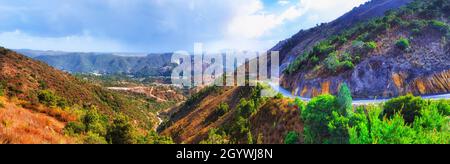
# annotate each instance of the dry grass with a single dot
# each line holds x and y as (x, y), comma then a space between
(22, 126)
(275, 120)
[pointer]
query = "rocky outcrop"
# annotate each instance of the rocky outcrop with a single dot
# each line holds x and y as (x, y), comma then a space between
(423, 71)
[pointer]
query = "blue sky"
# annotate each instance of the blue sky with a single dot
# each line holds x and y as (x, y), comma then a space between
(159, 25)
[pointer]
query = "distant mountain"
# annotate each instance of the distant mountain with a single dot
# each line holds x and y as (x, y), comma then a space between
(384, 48)
(105, 63)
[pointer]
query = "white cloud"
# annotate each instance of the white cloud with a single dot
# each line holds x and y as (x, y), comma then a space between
(83, 43)
(283, 2)
(252, 21)
(159, 25)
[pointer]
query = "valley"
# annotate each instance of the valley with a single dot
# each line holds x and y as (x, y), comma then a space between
(379, 74)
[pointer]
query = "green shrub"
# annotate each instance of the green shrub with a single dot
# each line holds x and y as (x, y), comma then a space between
(323, 48)
(279, 96)
(443, 107)
(47, 98)
(94, 138)
(438, 25)
(332, 62)
(408, 106)
(346, 65)
(429, 128)
(73, 128)
(246, 108)
(95, 122)
(153, 138)
(370, 45)
(291, 138)
(318, 117)
(314, 59)
(2, 89)
(222, 109)
(344, 99)
(403, 44)
(121, 131)
(214, 137)
(50, 99)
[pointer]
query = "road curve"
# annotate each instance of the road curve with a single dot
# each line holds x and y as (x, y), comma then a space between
(287, 93)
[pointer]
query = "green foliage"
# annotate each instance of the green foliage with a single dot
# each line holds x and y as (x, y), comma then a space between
(319, 119)
(121, 131)
(346, 65)
(153, 138)
(443, 107)
(314, 59)
(332, 62)
(95, 122)
(439, 25)
(291, 138)
(370, 45)
(279, 96)
(246, 108)
(73, 128)
(403, 44)
(94, 138)
(215, 137)
(344, 99)
(2, 88)
(409, 107)
(222, 109)
(429, 128)
(49, 99)
(323, 48)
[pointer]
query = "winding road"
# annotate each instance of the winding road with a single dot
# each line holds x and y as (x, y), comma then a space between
(287, 93)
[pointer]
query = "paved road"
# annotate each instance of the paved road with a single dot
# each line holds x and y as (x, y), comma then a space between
(287, 93)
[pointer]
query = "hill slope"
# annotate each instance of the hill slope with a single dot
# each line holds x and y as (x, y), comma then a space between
(404, 51)
(197, 119)
(26, 79)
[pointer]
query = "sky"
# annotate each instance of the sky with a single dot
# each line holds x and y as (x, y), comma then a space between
(160, 25)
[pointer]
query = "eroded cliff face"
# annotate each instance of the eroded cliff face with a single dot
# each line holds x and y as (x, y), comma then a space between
(387, 72)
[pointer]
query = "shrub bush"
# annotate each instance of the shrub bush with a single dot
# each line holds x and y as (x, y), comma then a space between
(73, 128)
(94, 138)
(291, 138)
(438, 25)
(344, 99)
(48, 98)
(222, 109)
(408, 106)
(323, 48)
(347, 65)
(214, 137)
(316, 117)
(121, 131)
(370, 45)
(332, 62)
(403, 44)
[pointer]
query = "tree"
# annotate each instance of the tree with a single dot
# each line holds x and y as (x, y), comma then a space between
(291, 138)
(408, 106)
(403, 44)
(121, 131)
(344, 100)
(332, 62)
(214, 137)
(316, 117)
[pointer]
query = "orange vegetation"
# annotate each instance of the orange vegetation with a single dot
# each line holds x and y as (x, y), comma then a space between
(22, 126)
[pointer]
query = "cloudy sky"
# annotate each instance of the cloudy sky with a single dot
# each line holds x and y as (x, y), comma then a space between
(159, 25)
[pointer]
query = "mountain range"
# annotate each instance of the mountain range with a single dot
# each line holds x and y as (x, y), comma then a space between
(106, 63)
